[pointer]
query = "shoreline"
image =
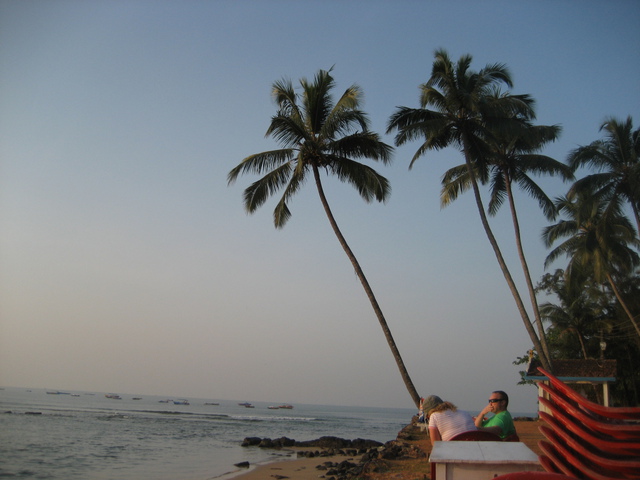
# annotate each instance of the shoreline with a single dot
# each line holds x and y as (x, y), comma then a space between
(287, 455)
(305, 468)
(294, 468)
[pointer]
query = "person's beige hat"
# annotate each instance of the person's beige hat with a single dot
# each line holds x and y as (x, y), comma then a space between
(432, 401)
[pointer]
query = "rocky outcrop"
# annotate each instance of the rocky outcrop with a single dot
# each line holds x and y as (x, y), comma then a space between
(371, 452)
(330, 443)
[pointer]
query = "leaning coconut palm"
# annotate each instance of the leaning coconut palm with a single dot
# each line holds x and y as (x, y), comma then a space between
(514, 156)
(466, 110)
(598, 239)
(617, 161)
(318, 135)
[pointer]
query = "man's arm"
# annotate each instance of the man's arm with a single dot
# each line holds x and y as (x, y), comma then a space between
(480, 418)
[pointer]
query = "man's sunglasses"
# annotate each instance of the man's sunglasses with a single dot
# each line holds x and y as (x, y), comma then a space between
(495, 400)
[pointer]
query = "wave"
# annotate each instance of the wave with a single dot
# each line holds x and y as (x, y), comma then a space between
(272, 418)
(186, 414)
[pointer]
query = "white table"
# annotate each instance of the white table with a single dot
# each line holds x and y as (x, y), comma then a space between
(480, 460)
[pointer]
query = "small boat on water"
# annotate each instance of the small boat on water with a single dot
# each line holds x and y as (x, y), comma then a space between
(113, 396)
(245, 404)
(165, 401)
(286, 406)
(211, 403)
(273, 407)
(136, 398)
(181, 402)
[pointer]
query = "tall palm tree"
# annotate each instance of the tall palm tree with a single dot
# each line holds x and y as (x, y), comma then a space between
(514, 157)
(465, 112)
(319, 135)
(617, 161)
(598, 239)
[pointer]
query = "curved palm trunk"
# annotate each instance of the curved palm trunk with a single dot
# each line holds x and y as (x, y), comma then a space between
(616, 292)
(503, 265)
(374, 303)
(525, 268)
(582, 345)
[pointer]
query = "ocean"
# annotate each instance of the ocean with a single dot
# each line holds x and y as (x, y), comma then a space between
(88, 436)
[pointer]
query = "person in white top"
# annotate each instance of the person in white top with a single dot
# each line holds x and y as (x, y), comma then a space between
(445, 420)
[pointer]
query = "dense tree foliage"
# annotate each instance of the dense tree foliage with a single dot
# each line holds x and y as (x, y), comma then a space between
(598, 293)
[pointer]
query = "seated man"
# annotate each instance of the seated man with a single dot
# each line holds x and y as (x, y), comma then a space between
(501, 423)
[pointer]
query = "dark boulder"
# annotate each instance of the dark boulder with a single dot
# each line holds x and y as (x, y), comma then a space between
(251, 441)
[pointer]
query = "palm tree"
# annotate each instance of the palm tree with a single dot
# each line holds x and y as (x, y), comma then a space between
(598, 239)
(514, 157)
(617, 161)
(319, 135)
(466, 111)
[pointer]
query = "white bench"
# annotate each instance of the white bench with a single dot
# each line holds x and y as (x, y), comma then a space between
(480, 460)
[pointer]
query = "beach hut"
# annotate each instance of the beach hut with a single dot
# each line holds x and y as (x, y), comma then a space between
(590, 377)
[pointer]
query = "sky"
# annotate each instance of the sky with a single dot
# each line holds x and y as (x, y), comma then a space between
(128, 265)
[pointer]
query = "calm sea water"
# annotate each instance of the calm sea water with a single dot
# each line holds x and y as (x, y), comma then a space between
(88, 436)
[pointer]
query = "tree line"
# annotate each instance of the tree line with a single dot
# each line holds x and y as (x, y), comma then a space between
(501, 148)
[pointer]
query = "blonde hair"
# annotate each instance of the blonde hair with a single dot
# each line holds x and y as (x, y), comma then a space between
(442, 407)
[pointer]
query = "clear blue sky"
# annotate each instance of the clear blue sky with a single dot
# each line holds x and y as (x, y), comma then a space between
(128, 265)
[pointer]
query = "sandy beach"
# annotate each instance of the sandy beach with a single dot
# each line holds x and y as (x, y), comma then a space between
(401, 469)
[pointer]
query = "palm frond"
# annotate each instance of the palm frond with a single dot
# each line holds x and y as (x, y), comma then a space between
(256, 194)
(344, 122)
(316, 99)
(287, 130)
(362, 145)
(533, 189)
(455, 181)
(281, 212)
(369, 183)
(498, 192)
(260, 163)
(494, 73)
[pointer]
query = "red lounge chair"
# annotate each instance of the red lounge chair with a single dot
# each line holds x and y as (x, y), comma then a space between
(615, 447)
(576, 467)
(624, 465)
(624, 413)
(548, 465)
(557, 460)
(619, 430)
(476, 436)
